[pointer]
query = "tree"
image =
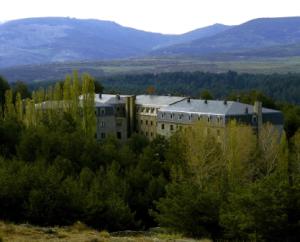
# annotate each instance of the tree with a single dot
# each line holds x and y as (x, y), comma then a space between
(4, 86)
(22, 88)
(150, 90)
(206, 95)
(98, 87)
(88, 105)
(9, 108)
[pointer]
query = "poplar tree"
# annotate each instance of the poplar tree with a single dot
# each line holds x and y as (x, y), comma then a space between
(9, 108)
(75, 93)
(88, 105)
(30, 112)
(19, 107)
(67, 94)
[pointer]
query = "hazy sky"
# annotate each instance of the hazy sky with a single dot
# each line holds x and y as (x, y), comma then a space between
(165, 16)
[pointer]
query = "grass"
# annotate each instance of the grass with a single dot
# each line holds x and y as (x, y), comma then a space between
(78, 232)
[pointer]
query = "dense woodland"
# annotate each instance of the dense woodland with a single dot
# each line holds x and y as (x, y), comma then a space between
(54, 172)
(281, 87)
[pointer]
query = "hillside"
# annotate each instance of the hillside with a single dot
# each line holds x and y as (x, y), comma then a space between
(58, 71)
(252, 35)
(44, 40)
(47, 40)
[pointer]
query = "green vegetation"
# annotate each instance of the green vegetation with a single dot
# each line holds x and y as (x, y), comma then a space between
(79, 232)
(57, 71)
(281, 87)
(54, 172)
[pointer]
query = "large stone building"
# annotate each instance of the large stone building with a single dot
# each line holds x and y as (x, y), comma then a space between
(151, 115)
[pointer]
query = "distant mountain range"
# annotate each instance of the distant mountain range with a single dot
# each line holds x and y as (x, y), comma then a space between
(53, 40)
(265, 37)
(45, 40)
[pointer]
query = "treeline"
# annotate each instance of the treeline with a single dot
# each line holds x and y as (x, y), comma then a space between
(281, 87)
(53, 172)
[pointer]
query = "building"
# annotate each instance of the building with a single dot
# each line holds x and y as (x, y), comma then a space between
(151, 115)
(147, 108)
(115, 115)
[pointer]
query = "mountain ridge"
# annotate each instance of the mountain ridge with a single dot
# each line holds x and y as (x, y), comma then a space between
(60, 39)
(254, 34)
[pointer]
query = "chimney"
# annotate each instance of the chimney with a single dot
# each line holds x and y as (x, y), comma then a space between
(205, 101)
(100, 95)
(246, 110)
(118, 97)
(188, 99)
(225, 102)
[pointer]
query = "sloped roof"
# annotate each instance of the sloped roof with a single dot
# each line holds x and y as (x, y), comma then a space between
(213, 107)
(157, 101)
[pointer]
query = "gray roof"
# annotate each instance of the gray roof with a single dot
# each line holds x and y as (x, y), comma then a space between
(157, 101)
(213, 107)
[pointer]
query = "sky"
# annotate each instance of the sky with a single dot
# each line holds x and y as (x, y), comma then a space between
(163, 16)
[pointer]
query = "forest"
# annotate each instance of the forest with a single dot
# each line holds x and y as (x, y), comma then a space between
(54, 172)
(281, 87)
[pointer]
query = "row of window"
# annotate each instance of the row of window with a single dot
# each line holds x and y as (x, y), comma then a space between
(148, 134)
(147, 122)
(102, 123)
(180, 128)
(172, 127)
(146, 110)
(192, 116)
(102, 112)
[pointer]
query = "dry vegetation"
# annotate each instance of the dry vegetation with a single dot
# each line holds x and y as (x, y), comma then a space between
(76, 233)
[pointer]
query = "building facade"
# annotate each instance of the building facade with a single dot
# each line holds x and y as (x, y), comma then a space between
(151, 115)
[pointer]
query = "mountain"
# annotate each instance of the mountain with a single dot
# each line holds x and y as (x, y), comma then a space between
(255, 34)
(197, 34)
(47, 40)
(43, 40)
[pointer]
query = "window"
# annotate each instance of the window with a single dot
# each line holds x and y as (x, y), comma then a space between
(218, 132)
(102, 111)
(162, 126)
(102, 124)
(146, 122)
(146, 133)
(119, 122)
(119, 135)
(151, 134)
(180, 116)
(102, 135)
(171, 116)
(171, 127)
(151, 123)
(141, 121)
